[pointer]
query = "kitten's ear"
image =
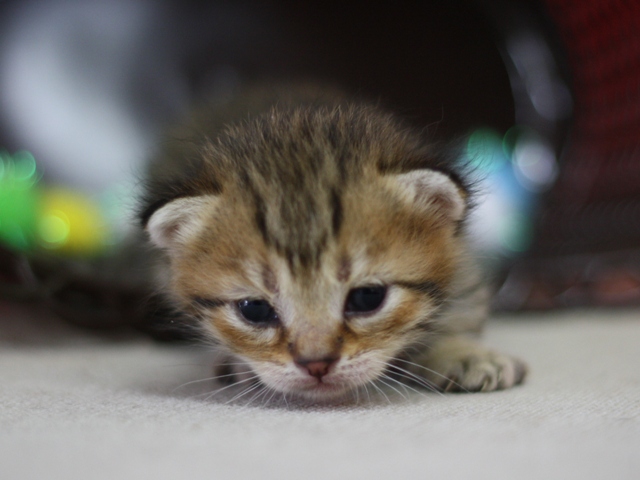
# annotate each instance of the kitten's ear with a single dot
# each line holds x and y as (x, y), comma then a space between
(177, 221)
(432, 192)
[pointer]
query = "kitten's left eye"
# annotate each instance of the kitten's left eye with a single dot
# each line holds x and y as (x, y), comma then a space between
(258, 312)
(365, 299)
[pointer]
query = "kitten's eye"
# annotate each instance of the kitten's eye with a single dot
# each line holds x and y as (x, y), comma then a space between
(364, 299)
(258, 312)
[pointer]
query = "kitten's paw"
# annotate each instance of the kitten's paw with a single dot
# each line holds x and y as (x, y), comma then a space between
(457, 365)
(479, 372)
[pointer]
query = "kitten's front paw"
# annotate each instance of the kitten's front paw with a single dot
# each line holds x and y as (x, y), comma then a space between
(458, 365)
(479, 372)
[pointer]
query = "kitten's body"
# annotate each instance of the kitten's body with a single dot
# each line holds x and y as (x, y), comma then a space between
(319, 240)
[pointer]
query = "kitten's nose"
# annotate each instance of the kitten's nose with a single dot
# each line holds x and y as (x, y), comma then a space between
(317, 368)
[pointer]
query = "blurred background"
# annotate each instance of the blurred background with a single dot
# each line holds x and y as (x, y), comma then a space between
(541, 97)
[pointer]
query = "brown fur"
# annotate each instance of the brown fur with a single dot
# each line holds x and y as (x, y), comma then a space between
(305, 207)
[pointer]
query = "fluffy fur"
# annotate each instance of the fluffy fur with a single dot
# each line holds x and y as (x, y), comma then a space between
(296, 197)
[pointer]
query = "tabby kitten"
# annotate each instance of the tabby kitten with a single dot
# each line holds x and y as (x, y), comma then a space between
(321, 242)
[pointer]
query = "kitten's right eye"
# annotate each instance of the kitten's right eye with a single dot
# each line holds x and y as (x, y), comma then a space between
(365, 300)
(258, 312)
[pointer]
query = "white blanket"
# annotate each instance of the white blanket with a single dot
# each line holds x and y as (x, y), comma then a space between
(73, 406)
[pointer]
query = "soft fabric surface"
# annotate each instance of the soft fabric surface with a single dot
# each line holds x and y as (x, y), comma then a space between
(73, 406)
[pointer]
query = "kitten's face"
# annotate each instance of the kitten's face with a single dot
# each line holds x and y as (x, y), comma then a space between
(320, 325)
(315, 244)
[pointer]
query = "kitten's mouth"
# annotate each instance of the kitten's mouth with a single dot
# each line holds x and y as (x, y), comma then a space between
(327, 387)
(321, 389)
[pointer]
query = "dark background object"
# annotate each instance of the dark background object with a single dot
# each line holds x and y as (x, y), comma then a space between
(435, 62)
(587, 242)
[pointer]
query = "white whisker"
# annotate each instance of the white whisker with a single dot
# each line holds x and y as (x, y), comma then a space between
(234, 364)
(397, 370)
(247, 390)
(216, 392)
(271, 397)
(423, 382)
(391, 386)
(380, 390)
(208, 379)
(357, 388)
(432, 371)
(367, 392)
(403, 385)
(258, 394)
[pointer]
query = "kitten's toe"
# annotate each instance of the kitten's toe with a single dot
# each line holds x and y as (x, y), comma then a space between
(457, 365)
(485, 372)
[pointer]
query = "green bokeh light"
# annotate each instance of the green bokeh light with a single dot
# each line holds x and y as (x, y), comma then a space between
(510, 139)
(515, 232)
(24, 166)
(484, 150)
(14, 235)
(18, 199)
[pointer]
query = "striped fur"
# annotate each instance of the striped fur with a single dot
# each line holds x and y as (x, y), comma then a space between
(296, 198)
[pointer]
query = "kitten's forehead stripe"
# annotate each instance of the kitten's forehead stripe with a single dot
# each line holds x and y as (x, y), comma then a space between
(294, 164)
(261, 222)
(344, 271)
(269, 279)
(336, 212)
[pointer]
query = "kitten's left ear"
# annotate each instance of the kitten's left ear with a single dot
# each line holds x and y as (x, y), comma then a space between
(432, 192)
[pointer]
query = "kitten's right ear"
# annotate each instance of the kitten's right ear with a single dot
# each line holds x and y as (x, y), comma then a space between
(432, 191)
(174, 223)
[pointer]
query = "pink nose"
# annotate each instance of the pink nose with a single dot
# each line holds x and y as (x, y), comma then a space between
(317, 368)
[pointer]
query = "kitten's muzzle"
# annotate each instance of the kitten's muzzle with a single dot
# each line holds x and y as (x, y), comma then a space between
(317, 368)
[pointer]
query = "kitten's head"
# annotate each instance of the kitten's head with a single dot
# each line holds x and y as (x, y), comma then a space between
(315, 244)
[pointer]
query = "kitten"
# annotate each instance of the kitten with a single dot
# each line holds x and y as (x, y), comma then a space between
(321, 242)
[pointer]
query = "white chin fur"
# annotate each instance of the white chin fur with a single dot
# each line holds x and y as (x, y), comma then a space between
(337, 384)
